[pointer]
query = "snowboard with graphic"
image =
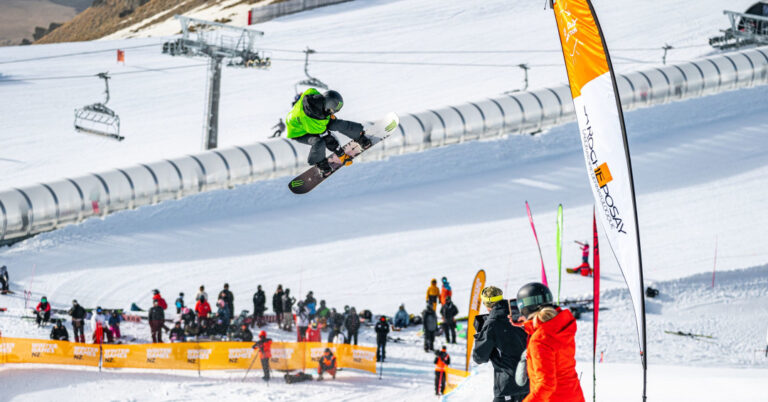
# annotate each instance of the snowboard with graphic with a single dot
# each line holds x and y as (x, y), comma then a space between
(376, 132)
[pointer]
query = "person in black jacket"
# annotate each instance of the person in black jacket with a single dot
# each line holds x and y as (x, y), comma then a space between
(449, 313)
(259, 301)
(4, 281)
(288, 302)
(156, 322)
(77, 312)
(177, 334)
(429, 322)
(59, 332)
(243, 334)
(503, 344)
(382, 329)
(229, 299)
(277, 305)
(335, 322)
(352, 323)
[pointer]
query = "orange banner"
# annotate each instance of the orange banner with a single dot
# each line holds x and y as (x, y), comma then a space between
(184, 356)
(454, 378)
(474, 307)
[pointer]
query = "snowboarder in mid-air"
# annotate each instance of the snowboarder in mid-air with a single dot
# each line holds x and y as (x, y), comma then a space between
(310, 122)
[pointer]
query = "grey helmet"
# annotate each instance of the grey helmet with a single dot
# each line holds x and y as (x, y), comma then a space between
(333, 101)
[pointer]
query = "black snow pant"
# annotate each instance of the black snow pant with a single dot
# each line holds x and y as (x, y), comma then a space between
(157, 330)
(77, 328)
(450, 332)
(381, 351)
(439, 382)
(429, 340)
(4, 283)
(350, 335)
(334, 333)
(42, 317)
(265, 367)
(319, 144)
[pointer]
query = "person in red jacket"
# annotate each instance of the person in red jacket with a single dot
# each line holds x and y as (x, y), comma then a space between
(202, 308)
(264, 345)
(551, 360)
(445, 291)
(313, 333)
(43, 311)
(160, 300)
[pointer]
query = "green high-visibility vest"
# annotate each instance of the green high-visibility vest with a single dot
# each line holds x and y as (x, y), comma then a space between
(298, 124)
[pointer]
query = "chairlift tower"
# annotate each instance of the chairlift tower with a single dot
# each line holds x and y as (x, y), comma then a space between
(217, 42)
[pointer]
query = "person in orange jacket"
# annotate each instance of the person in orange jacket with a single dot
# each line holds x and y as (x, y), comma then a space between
(264, 345)
(327, 364)
(433, 293)
(551, 360)
(442, 360)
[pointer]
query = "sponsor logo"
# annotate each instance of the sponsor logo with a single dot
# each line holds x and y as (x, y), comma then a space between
(476, 289)
(82, 351)
(282, 353)
(153, 354)
(391, 126)
(569, 30)
(39, 348)
(235, 354)
(362, 355)
(201, 354)
(297, 183)
(317, 353)
(601, 178)
(116, 353)
(6, 347)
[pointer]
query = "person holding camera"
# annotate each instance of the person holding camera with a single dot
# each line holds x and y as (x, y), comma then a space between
(503, 345)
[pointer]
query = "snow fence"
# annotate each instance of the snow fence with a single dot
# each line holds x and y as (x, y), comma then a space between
(34, 209)
(184, 356)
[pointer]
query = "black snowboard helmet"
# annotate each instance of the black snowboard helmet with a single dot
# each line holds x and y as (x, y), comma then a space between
(532, 297)
(333, 101)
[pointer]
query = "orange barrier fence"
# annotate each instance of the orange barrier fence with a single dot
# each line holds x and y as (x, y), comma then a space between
(184, 356)
(454, 378)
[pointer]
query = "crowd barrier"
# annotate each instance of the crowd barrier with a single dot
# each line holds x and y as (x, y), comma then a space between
(184, 356)
(33, 209)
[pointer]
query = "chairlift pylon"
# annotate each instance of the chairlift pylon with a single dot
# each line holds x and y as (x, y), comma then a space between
(310, 81)
(97, 118)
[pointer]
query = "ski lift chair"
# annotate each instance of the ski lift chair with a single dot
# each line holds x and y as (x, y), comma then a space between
(97, 118)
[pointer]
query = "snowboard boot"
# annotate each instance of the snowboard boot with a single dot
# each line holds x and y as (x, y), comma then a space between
(325, 169)
(345, 159)
(364, 141)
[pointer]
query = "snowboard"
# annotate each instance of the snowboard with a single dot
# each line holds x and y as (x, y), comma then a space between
(377, 132)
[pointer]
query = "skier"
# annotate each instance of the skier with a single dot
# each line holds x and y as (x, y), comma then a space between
(551, 346)
(313, 333)
(302, 321)
(352, 324)
(265, 352)
(203, 309)
(229, 299)
(429, 321)
(584, 268)
(4, 281)
(277, 306)
(288, 310)
(43, 311)
(449, 313)
(445, 290)
(99, 323)
(201, 293)
(401, 318)
(503, 344)
(433, 293)
(114, 324)
(156, 317)
(310, 122)
(59, 332)
(161, 302)
(177, 334)
(179, 302)
(77, 312)
(310, 303)
(382, 329)
(327, 364)
(279, 128)
(442, 359)
(259, 301)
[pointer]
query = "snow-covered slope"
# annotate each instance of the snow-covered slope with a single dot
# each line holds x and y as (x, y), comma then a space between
(160, 99)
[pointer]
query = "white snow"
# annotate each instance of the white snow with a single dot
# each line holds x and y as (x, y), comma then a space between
(376, 233)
